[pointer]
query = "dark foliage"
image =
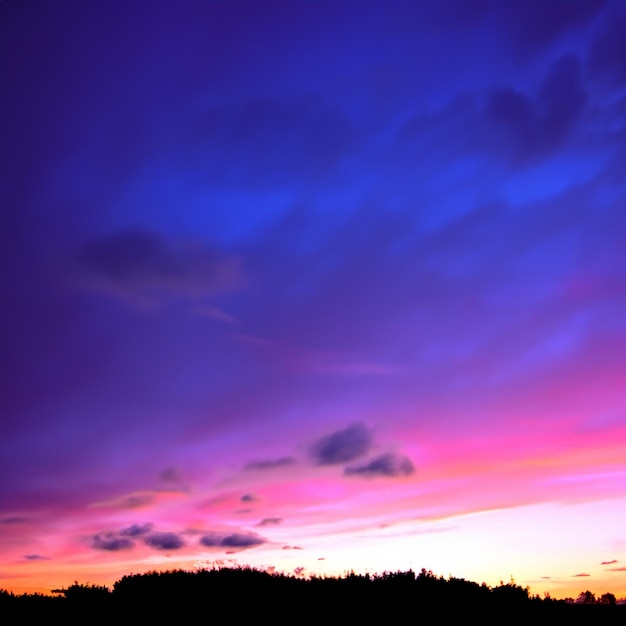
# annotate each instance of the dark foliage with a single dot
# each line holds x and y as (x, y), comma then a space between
(242, 594)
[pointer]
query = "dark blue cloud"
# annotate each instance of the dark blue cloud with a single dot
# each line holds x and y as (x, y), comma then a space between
(231, 540)
(342, 446)
(268, 464)
(111, 542)
(164, 541)
(387, 465)
(242, 540)
(136, 530)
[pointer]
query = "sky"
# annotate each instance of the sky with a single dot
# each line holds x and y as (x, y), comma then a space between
(313, 287)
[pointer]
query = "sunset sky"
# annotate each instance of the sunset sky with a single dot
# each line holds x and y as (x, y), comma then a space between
(314, 286)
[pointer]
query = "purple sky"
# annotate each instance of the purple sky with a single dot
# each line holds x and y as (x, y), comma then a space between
(342, 276)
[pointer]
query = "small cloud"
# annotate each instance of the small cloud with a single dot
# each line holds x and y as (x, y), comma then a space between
(111, 542)
(292, 548)
(270, 521)
(609, 562)
(321, 558)
(269, 464)
(36, 557)
(231, 540)
(249, 497)
(299, 571)
(164, 541)
(617, 569)
(342, 445)
(242, 540)
(136, 530)
(581, 575)
(388, 465)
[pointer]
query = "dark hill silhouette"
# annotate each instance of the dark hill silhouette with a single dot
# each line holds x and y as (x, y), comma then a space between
(246, 594)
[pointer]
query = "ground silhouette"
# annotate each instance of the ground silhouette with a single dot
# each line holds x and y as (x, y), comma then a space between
(245, 594)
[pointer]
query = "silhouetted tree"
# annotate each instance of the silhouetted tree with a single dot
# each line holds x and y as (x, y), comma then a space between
(586, 597)
(607, 598)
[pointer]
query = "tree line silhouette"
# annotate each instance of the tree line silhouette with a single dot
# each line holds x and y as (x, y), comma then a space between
(243, 594)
